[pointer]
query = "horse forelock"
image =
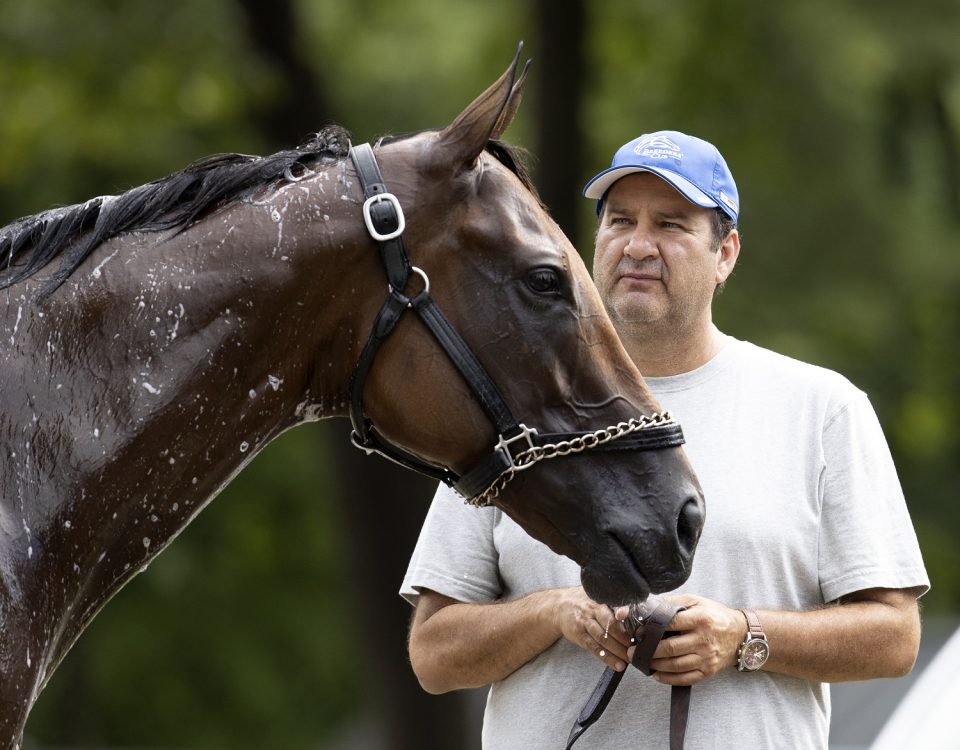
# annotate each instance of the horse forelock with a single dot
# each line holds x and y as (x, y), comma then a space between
(516, 159)
(71, 233)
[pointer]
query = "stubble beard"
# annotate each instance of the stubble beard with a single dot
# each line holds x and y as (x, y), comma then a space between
(653, 322)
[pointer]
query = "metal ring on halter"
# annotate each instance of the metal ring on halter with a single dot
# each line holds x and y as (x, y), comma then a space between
(368, 220)
(426, 282)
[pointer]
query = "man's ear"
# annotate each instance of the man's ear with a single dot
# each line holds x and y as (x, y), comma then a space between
(727, 255)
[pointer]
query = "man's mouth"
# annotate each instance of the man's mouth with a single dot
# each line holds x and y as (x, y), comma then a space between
(640, 278)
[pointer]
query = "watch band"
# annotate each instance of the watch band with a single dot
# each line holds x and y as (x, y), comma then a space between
(754, 629)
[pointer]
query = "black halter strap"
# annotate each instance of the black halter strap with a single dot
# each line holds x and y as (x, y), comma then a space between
(385, 222)
(648, 634)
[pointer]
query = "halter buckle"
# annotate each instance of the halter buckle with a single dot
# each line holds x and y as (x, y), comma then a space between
(503, 447)
(368, 219)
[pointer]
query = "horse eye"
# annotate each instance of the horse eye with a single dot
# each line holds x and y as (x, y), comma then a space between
(544, 281)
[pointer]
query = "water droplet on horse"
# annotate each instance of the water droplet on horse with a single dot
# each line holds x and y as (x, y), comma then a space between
(146, 542)
(244, 446)
(252, 394)
(274, 381)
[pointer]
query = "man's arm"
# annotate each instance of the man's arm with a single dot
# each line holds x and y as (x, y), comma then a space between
(455, 645)
(868, 634)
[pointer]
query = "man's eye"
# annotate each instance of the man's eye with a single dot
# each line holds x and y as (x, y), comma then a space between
(544, 281)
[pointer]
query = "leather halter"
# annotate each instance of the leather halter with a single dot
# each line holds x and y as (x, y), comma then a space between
(518, 446)
(648, 632)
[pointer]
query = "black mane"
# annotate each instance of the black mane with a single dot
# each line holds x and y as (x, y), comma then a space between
(73, 232)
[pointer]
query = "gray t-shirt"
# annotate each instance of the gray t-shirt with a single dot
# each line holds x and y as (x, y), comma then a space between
(803, 507)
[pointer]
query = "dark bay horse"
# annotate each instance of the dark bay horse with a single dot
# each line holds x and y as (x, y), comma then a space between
(152, 343)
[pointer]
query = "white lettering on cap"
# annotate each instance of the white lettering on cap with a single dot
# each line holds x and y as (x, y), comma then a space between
(658, 147)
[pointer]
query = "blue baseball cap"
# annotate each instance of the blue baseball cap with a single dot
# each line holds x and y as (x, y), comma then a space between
(691, 165)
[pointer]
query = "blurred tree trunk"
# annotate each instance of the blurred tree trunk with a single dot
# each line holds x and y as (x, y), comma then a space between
(383, 507)
(559, 87)
(301, 106)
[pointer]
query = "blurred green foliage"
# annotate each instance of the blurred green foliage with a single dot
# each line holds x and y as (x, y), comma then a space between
(840, 121)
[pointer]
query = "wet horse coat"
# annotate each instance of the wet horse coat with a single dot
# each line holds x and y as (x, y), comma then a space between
(152, 343)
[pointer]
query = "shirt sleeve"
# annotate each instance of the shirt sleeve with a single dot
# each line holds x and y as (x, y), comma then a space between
(455, 554)
(867, 539)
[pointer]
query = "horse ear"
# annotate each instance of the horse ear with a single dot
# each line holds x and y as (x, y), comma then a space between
(512, 105)
(462, 141)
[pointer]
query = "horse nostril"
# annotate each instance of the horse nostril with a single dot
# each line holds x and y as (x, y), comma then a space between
(689, 524)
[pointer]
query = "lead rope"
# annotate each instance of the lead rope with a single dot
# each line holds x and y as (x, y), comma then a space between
(652, 629)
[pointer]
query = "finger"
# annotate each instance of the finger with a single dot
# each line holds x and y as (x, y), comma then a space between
(678, 664)
(676, 645)
(621, 636)
(614, 629)
(611, 647)
(679, 678)
(610, 659)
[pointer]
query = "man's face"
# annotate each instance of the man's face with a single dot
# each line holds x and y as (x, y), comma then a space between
(655, 262)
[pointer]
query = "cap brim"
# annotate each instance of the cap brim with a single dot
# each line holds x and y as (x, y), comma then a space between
(598, 186)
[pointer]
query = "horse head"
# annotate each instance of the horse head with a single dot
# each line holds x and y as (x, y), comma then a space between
(516, 291)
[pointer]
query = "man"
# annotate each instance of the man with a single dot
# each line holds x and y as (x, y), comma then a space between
(808, 545)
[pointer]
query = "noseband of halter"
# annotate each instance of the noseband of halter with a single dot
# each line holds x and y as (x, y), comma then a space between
(518, 447)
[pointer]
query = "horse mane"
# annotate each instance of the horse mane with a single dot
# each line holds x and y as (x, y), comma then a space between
(30, 243)
(71, 233)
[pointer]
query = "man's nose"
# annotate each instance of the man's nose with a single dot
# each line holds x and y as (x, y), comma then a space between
(641, 244)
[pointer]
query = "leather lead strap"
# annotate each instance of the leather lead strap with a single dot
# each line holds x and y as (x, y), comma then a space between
(649, 635)
(679, 710)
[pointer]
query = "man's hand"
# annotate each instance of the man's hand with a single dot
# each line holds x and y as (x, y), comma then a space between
(591, 626)
(709, 634)
(867, 634)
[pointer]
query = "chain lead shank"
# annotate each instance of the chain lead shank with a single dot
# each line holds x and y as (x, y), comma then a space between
(536, 453)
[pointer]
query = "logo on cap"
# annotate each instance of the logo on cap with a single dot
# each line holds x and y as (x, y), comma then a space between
(658, 147)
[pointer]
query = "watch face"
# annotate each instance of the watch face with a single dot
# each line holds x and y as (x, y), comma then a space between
(754, 654)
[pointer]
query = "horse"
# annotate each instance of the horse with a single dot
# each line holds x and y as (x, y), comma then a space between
(153, 342)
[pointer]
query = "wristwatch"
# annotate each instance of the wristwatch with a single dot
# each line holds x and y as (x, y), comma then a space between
(755, 649)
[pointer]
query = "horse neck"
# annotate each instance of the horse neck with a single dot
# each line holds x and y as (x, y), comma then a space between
(162, 368)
